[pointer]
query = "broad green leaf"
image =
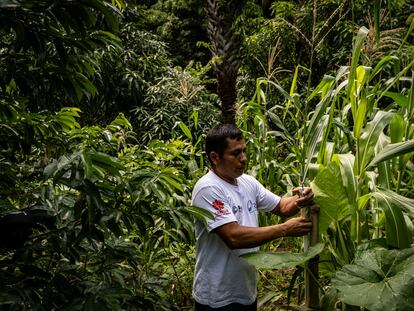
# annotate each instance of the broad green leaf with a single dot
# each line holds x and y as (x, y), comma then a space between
(106, 161)
(50, 169)
(87, 164)
(87, 87)
(330, 194)
(74, 90)
(280, 260)
(396, 228)
(103, 7)
(392, 151)
(378, 280)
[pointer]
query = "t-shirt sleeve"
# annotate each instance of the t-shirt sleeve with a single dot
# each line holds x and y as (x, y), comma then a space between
(266, 200)
(215, 201)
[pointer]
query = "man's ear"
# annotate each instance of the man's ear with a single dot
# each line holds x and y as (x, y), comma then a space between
(215, 157)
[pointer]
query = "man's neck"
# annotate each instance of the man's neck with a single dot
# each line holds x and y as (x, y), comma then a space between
(232, 181)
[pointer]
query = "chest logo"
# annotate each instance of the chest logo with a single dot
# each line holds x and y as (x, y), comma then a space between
(251, 206)
(236, 209)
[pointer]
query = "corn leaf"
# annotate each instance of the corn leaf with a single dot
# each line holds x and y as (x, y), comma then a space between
(370, 137)
(396, 227)
(393, 150)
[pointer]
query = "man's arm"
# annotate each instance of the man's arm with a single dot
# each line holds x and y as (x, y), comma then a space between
(236, 236)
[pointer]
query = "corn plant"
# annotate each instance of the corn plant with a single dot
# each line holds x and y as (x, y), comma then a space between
(357, 153)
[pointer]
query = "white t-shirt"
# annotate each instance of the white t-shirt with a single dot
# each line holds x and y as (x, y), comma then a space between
(221, 277)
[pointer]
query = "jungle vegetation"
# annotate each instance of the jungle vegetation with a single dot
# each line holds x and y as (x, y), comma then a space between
(104, 105)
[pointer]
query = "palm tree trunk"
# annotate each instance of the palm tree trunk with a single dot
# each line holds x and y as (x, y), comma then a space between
(225, 47)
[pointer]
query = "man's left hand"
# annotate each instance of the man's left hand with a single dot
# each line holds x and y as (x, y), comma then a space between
(305, 196)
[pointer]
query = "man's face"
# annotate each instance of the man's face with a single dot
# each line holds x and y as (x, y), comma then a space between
(231, 164)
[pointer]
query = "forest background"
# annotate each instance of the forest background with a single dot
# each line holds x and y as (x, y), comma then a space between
(103, 109)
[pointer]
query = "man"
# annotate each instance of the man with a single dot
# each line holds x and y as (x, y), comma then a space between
(222, 279)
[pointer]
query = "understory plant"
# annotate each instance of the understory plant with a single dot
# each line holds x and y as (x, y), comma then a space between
(110, 222)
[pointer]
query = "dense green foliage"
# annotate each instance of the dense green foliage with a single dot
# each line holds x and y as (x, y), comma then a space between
(103, 109)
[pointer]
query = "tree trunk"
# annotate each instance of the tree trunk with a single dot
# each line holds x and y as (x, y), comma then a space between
(225, 47)
(226, 90)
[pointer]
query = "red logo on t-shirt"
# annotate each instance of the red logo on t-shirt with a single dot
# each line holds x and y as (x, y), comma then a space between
(219, 206)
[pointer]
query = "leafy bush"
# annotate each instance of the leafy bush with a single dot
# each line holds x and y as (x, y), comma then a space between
(110, 227)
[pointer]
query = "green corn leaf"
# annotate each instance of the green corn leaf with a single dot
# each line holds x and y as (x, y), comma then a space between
(394, 80)
(319, 113)
(378, 280)
(370, 136)
(381, 64)
(384, 168)
(363, 201)
(391, 151)
(397, 127)
(314, 138)
(356, 51)
(280, 260)
(409, 31)
(360, 117)
(346, 164)
(404, 203)
(396, 228)
(400, 99)
(322, 88)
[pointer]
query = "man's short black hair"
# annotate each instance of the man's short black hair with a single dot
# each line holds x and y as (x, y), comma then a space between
(216, 139)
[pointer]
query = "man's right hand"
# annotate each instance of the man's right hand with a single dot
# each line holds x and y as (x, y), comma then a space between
(297, 226)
